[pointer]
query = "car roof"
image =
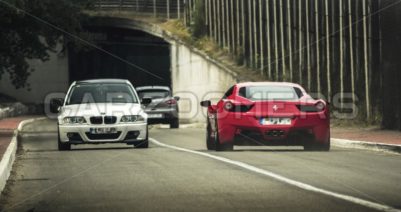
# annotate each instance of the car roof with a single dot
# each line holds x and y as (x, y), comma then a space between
(290, 84)
(141, 88)
(94, 81)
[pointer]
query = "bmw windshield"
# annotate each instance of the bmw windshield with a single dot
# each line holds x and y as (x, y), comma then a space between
(101, 93)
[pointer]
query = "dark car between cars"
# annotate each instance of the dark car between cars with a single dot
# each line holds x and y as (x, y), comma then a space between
(163, 108)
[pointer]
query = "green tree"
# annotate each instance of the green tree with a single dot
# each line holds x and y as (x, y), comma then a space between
(198, 26)
(30, 29)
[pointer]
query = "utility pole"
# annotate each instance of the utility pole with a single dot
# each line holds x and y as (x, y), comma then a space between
(284, 71)
(262, 56)
(214, 22)
(250, 32)
(341, 55)
(178, 8)
(275, 39)
(219, 37)
(300, 42)
(308, 57)
(190, 11)
(238, 28)
(366, 58)
(351, 53)
(227, 25)
(255, 35)
(243, 29)
(328, 50)
(154, 9)
(317, 45)
(223, 7)
(168, 9)
(206, 6)
(232, 27)
(269, 66)
(211, 22)
(289, 31)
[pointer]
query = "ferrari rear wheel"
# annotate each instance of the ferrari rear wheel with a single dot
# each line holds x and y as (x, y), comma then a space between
(222, 147)
(209, 140)
(313, 146)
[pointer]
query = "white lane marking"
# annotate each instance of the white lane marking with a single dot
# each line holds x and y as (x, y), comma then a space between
(278, 177)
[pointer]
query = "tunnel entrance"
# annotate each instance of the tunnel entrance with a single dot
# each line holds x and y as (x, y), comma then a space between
(130, 54)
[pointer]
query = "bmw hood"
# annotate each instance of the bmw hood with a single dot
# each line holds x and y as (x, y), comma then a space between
(102, 109)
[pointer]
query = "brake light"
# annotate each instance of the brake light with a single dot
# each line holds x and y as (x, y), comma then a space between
(231, 107)
(228, 106)
(320, 106)
(171, 102)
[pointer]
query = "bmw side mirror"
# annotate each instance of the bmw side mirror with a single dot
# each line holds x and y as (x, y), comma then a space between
(146, 101)
(55, 105)
(177, 98)
(206, 103)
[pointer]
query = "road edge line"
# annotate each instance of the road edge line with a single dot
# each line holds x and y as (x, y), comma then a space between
(283, 179)
(8, 159)
(354, 144)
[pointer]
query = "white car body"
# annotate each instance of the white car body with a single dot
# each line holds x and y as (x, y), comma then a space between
(103, 121)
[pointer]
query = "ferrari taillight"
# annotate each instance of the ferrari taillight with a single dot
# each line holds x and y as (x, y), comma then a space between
(228, 106)
(231, 107)
(320, 106)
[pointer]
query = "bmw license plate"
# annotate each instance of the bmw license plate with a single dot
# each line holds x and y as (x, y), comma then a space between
(108, 130)
(275, 121)
(155, 116)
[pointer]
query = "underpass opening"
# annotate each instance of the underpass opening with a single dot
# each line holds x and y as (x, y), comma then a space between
(125, 53)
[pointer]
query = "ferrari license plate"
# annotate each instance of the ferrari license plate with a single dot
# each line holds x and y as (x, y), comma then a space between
(276, 121)
(108, 130)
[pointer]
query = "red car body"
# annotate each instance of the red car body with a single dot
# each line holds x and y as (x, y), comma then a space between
(286, 115)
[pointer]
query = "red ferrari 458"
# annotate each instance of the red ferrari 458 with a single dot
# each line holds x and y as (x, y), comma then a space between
(267, 113)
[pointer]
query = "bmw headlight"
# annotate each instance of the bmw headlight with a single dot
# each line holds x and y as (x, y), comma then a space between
(74, 120)
(132, 118)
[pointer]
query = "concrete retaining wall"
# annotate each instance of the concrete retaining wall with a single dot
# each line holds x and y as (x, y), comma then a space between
(195, 77)
(49, 76)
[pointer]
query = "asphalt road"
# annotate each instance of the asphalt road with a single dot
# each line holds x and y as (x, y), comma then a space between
(119, 177)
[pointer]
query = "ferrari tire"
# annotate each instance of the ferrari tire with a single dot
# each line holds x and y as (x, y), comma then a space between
(313, 146)
(222, 147)
(209, 140)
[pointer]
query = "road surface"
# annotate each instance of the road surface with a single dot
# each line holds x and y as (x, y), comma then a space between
(118, 177)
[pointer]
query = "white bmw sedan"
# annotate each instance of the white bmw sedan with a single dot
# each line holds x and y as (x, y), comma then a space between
(101, 111)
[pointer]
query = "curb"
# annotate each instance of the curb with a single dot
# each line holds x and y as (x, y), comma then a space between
(382, 147)
(8, 159)
(182, 126)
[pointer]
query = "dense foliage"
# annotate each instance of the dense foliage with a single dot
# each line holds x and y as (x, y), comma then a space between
(30, 29)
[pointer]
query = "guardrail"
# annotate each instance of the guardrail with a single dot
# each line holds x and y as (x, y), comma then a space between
(170, 9)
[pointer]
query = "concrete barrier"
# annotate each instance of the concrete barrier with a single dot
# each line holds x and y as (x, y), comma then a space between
(8, 158)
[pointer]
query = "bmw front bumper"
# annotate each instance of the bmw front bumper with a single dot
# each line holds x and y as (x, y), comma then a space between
(122, 133)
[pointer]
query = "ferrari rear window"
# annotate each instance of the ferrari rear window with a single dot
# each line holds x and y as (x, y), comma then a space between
(258, 93)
